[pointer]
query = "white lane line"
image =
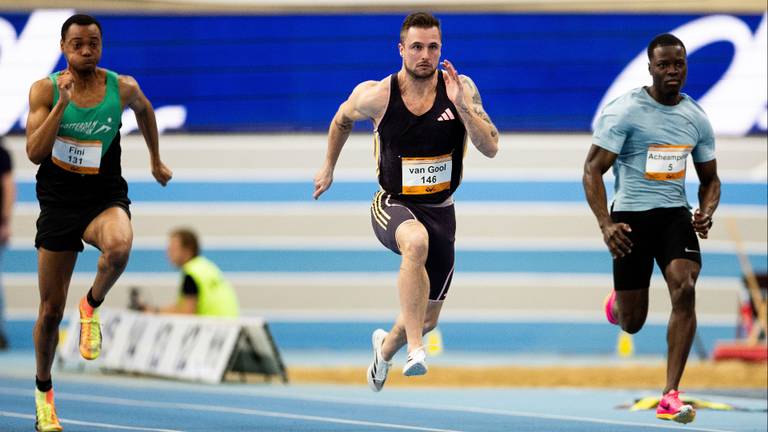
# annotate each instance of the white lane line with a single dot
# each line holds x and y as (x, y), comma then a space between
(225, 410)
(85, 423)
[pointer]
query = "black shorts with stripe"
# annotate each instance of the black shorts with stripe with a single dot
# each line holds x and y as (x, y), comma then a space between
(660, 234)
(388, 212)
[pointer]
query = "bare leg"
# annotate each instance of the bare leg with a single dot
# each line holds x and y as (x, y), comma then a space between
(396, 338)
(112, 233)
(54, 271)
(631, 308)
(681, 275)
(412, 281)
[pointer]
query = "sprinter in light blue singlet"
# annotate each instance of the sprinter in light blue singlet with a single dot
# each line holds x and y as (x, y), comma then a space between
(652, 142)
(647, 135)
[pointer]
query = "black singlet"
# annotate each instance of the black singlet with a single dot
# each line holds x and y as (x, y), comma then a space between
(421, 148)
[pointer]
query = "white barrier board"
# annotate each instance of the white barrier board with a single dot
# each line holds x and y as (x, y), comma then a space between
(177, 346)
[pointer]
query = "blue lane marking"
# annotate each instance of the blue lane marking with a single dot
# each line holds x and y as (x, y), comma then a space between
(578, 338)
(300, 261)
(501, 191)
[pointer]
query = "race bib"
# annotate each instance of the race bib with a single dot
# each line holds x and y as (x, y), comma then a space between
(666, 162)
(82, 157)
(426, 175)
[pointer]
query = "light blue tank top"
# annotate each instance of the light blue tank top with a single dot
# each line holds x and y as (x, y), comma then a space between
(652, 142)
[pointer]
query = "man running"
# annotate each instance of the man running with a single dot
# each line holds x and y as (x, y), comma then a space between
(422, 117)
(646, 135)
(73, 134)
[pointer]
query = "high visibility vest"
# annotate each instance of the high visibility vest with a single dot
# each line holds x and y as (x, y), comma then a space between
(215, 296)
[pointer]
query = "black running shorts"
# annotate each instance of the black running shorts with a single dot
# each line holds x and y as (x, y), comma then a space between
(661, 234)
(387, 213)
(61, 228)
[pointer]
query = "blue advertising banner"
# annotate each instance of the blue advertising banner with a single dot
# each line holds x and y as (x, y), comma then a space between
(536, 72)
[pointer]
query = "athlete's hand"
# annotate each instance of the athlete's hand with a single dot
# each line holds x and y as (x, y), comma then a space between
(618, 243)
(453, 85)
(702, 223)
(161, 173)
(66, 83)
(323, 181)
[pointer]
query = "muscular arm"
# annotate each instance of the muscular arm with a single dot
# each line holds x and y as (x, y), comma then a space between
(132, 97)
(365, 102)
(481, 129)
(709, 196)
(597, 163)
(43, 120)
(463, 92)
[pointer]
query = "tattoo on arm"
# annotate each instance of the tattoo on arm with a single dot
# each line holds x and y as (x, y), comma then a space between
(476, 99)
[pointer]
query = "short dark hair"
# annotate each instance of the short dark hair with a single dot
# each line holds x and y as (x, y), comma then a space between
(664, 39)
(188, 240)
(420, 20)
(79, 19)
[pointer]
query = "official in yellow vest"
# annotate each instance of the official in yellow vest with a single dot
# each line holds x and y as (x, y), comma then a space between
(204, 291)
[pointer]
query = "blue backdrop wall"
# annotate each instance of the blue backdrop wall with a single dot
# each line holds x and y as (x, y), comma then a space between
(290, 72)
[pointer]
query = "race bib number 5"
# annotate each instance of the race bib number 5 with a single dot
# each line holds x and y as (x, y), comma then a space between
(666, 162)
(426, 175)
(82, 157)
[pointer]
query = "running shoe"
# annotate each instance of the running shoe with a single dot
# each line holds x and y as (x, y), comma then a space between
(377, 371)
(416, 364)
(90, 331)
(671, 408)
(45, 412)
(610, 299)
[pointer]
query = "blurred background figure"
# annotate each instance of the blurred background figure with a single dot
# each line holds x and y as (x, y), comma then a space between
(7, 197)
(203, 290)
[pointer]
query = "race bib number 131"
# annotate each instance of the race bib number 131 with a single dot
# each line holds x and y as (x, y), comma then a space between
(82, 157)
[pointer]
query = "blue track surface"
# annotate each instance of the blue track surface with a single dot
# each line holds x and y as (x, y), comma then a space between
(91, 402)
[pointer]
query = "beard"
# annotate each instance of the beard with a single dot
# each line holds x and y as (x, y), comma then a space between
(421, 75)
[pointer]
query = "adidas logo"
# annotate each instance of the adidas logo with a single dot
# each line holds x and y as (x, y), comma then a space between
(446, 115)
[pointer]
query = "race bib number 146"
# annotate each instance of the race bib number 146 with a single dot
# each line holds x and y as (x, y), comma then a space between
(426, 175)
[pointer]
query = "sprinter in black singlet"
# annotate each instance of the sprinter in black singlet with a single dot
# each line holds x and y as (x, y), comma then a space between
(422, 117)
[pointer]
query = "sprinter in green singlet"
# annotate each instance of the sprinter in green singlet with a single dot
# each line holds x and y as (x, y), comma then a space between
(73, 133)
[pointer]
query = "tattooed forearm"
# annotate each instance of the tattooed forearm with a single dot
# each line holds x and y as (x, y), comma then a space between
(481, 113)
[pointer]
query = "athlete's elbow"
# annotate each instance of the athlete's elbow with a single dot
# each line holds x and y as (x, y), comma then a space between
(491, 150)
(34, 156)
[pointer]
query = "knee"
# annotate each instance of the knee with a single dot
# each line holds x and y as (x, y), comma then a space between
(116, 253)
(51, 314)
(429, 325)
(632, 323)
(683, 294)
(414, 244)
